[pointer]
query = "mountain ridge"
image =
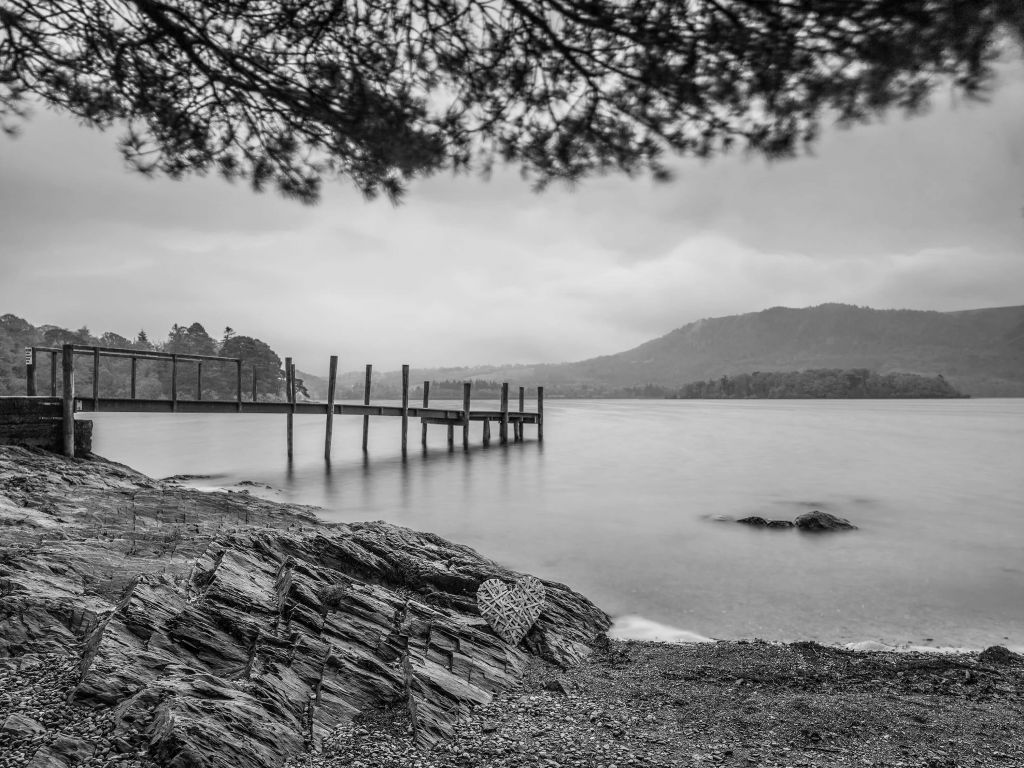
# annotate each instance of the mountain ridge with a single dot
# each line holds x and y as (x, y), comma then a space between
(980, 351)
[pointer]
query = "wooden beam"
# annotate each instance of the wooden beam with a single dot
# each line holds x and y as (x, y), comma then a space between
(30, 372)
(540, 414)
(405, 409)
(135, 363)
(289, 392)
(254, 382)
(53, 374)
(68, 404)
(426, 404)
(332, 381)
(238, 384)
(96, 379)
(503, 430)
(174, 382)
(366, 401)
(199, 380)
(466, 387)
(522, 409)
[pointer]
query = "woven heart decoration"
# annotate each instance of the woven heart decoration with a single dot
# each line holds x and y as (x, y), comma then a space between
(511, 611)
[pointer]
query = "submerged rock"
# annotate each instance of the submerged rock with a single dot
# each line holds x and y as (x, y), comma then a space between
(226, 630)
(822, 521)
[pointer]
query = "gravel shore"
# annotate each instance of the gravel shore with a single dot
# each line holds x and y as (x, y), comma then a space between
(39, 727)
(724, 704)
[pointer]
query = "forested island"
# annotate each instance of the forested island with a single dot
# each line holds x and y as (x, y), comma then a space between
(833, 383)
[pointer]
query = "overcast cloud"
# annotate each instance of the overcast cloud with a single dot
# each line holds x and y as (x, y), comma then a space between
(923, 213)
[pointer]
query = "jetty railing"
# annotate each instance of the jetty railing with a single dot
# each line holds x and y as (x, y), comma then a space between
(427, 414)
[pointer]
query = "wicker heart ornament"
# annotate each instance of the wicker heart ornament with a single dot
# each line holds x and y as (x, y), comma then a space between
(511, 611)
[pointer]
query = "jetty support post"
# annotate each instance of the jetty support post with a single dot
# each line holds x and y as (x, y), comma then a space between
(451, 437)
(466, 388)
(96, 379)
(199, 379)
(366, 401)
(68, 409)
(405, 409)
(30, 372)
(238, 383)
(289, 393)
(135, 375)
(53, 374)
(332, 381)
(522, 409)
(174, 383)
(254, 382)
(426, 403)
(503, 431)
(487, 432)
(540, 414)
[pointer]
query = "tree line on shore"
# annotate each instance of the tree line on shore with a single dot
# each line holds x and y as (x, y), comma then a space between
(831, 383)
(153, 377)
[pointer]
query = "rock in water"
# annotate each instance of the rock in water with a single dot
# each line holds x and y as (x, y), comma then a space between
(822, 521)
(228, 631)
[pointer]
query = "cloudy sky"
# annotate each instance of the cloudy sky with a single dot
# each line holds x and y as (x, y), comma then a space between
(925, 213)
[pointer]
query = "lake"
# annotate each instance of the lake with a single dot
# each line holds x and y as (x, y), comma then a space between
(620, 502)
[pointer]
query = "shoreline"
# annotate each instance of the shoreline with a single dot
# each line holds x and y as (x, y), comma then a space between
(143, 623)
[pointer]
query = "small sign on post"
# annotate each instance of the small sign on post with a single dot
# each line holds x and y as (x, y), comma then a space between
(30, 357)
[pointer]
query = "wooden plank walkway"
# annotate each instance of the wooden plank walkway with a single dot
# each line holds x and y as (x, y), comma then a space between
(95, 402)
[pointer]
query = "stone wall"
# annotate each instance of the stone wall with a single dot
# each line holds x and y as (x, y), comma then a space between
(36, 422)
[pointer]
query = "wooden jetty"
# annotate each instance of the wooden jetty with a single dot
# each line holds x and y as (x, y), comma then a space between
(72, 402)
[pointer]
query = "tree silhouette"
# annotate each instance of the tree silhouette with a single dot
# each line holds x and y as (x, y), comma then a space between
(289, 92)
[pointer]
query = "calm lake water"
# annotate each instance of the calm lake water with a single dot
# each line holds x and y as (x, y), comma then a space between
(620, 501)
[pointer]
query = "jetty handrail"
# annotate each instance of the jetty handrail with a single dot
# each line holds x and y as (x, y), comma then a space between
(150, 354)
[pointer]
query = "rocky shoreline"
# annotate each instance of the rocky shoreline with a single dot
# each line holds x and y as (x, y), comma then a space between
(223, 630)
(146, 624)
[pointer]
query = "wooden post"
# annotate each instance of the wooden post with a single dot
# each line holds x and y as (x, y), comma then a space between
(487, 432)
(332, 381)
(53, 374)
(199, 379)
(405, 409)
(288, 393)
(522, 409)
(451, 436)
(96, 379)
(366, 401)
(254, 382)
(174, 383)
(466, 387)
(426, 401)
(540, 414)
(238, 383)
(503, 431)
(135, 363)
(30, 372)
(68, 410)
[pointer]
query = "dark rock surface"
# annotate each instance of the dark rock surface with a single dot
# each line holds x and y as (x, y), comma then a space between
(822, 521)
(219, 629)
(809, 521)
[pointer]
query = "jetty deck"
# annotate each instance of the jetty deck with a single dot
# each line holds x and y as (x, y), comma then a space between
(34, 414)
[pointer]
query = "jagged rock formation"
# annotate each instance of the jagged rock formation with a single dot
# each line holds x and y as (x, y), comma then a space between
(225, 630)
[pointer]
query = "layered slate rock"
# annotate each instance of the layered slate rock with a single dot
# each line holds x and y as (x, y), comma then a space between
(225, 630)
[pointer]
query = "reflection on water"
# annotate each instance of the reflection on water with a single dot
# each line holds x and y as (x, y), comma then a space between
(620, 500)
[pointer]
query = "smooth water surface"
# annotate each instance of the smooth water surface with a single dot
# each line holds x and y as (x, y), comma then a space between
(620, 502)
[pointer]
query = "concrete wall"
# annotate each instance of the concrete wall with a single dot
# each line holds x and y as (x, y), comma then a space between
(36, 422)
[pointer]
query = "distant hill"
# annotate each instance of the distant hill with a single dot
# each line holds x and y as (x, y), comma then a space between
(980, 351)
